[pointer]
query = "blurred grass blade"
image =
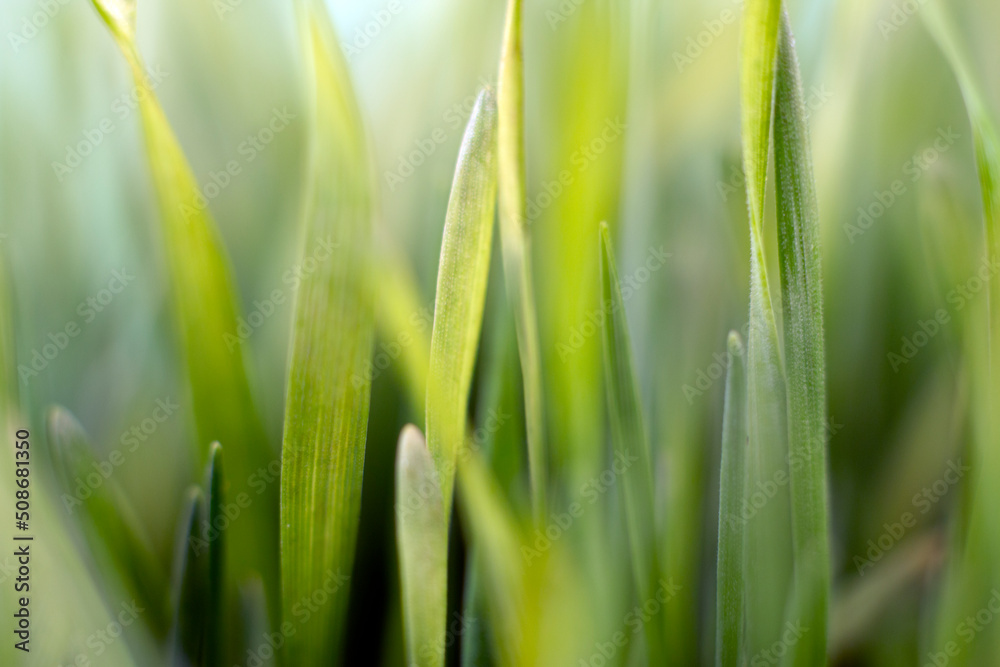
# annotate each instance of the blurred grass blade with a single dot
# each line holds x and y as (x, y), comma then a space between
(326, 410)
(629, 437)
(496, 538)
(214, 536)
(768, 548)
(461, 291)
(516, 247)
(205, 308)
(109, 522)
(422, 541)
(253, 613)
(730, 574)
(190, 586)
(8, 351)
(802, 300)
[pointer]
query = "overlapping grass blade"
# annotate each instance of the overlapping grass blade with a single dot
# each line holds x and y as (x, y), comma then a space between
(630, 442)
(190, 586)
(326, 411)
(205, 308)
(805, 367)
(108, 520)
(461, 290)
(422, 542)
(767, 535)
(731, 575)
(516, 247)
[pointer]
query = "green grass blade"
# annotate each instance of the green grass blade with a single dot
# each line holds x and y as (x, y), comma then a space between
(802, 300)
(214, 535)
(422, 541)
(461, 291)
(190, 586)
(516, 248)
(768, 538)
(206, 310)
(326, 410)
(109, 522)
(630, 442)
(730, 574)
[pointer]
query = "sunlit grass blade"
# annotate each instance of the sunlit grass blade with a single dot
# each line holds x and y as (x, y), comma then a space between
(730, 574)
(768, 548)
(214, 536)
(190, 586)
(628, 431)
(516, 247)
(422, 542)
(326, 409)
(805, 366)
(205, 307)
(461, 291)
(108, 520)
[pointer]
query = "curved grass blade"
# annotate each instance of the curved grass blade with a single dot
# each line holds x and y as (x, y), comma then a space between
(326, 409)
(516, 248)
(629, 436)
(422, 541)
(730, 573)
(768, 538)
(461, 291)
(214, 535)
(802, 299)
(109, 522)
(205, 306)
(190, 586)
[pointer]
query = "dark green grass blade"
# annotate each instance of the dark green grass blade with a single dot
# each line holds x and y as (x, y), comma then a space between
(214, 534)
(190, 586)
(629, 437)
(731, 575)
(326, 409)
(805, 368)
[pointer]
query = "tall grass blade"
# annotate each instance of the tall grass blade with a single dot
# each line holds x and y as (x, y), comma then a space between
(731, 574)
(326, 409)
(108, 520)
(516, 247)
(630, 442)
(461, 291)
(768, 538)
(214, 537)
(205, 306)
(805, 368)
(188, 643)
(422, 541)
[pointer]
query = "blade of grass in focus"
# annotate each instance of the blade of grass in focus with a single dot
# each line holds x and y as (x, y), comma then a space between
(205, 309)
(730, 575)
(630, 443)
(974, 570)
(214, 537)
(768, 552)
(108, 520)
(422, 542)
(326, 409)
(190, 587)
(805, 368)
(516, 247)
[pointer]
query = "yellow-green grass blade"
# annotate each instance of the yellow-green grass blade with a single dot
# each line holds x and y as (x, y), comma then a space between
(188, 642)
(206, 310)
(768, 538)
(730, 574)
(805, 367)
(974, 571)
(109, 523)
(326, 409)
(628, 432)
(422, 542)
(461, 291)
(516, 246)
